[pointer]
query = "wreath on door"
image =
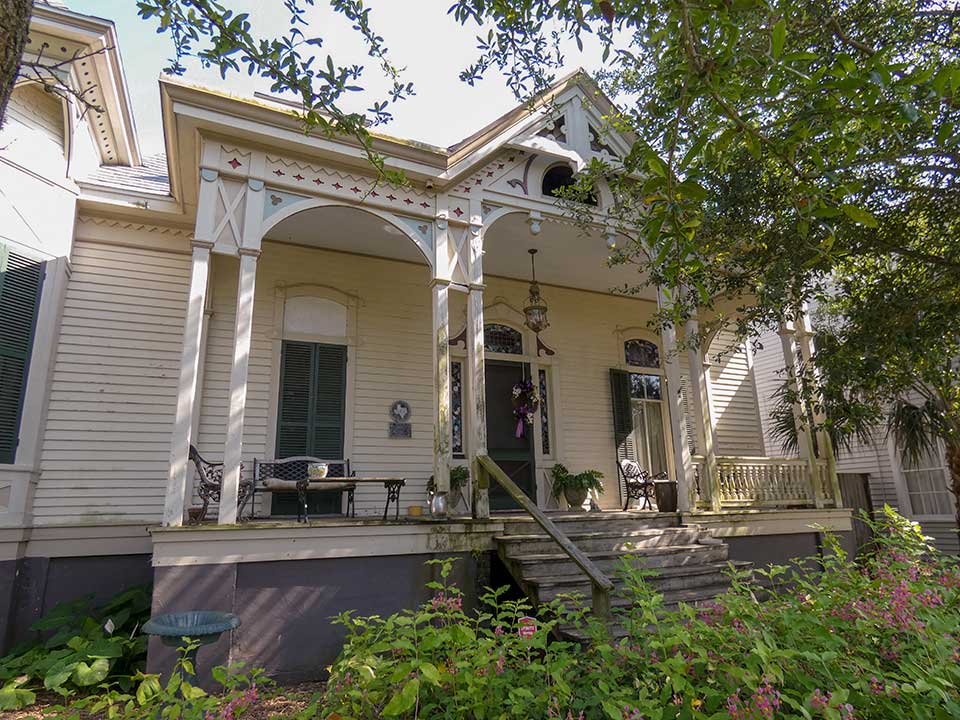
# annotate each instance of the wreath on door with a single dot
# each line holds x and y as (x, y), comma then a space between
(525, 404)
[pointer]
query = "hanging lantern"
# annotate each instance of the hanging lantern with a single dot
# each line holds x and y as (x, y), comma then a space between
(535, 312)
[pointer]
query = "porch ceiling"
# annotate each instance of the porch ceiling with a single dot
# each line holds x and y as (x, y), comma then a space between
(348, 230)
(566, 256)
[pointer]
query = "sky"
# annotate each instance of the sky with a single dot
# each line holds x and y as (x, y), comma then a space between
(420, 35)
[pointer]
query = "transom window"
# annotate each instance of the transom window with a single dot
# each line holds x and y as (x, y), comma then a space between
(641, 353)
(502, 339)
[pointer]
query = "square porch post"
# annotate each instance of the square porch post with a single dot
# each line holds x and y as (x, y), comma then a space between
(243, 330)
(442, 450)
(682, 462)
(477, 418)
(804, 335)
(700, 393)
(187, 385)
(804, 436)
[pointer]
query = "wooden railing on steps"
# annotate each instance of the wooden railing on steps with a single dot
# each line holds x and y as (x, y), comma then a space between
(485, 469)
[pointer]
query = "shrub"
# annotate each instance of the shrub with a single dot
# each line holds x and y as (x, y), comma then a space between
(879, 639)
(81, 647)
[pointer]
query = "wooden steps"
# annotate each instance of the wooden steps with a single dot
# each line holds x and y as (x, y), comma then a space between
(690, 566)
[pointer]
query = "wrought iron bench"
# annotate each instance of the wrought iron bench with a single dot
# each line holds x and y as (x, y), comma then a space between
(639, 484)
(293, 473)
(211, 480)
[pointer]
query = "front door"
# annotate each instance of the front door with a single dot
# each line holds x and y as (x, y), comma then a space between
(513, 454)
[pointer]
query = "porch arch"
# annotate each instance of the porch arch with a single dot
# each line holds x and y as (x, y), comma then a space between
(271, 221)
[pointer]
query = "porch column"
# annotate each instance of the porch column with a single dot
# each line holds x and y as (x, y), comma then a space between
(683, 465)
(477, 414)
(804, 437)
(187, 385)
(243, 328)
(804, 335)
(441, 386)
(699, 391)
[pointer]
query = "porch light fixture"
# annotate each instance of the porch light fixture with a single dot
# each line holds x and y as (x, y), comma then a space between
(535, 312)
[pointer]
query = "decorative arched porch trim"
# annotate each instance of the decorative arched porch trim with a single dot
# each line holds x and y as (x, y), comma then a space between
(271, 221)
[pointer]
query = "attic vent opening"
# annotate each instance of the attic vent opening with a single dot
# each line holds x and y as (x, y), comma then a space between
(559, 177)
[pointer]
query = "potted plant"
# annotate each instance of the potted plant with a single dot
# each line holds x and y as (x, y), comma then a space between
(574, 487)
(459, 476)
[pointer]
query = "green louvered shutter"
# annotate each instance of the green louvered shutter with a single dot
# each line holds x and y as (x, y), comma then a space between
(295, 408)
(622, 419)
(329, 392)
(310, 416)
(21, 279)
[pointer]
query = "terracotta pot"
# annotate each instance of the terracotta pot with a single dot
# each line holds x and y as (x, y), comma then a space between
(575, 497)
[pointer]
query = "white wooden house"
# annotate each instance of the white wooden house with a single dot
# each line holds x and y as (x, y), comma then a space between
(254, 282)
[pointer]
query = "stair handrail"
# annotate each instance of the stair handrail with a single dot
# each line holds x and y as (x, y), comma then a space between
(600, 583)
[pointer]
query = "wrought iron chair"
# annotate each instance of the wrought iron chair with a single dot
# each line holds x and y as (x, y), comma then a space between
(293, 474)
(211, 480)
(639, 484)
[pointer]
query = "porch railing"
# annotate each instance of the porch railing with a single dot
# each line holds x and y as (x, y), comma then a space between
(766, 482)
(602, 585)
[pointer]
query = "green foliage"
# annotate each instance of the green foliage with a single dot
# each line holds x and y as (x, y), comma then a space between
(837, 640)
(177, 699)
(81, 648)
(459, 475)
(563, 479)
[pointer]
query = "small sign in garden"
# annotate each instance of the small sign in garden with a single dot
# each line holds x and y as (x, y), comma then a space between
(527, 627)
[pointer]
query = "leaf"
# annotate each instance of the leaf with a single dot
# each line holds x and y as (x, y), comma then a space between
(779, 38)
(859, 215)
(430, 672)
(148, 688)
(403, 700)
(611, 709)
(84, 674)
(105, 649)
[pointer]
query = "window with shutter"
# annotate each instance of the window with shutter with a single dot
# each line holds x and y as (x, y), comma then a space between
(21, 279)
(622, 420)
(310, 415)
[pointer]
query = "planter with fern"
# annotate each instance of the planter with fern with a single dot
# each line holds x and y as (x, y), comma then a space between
(574, 487)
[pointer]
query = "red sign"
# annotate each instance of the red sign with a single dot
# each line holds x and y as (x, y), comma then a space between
(528, 627)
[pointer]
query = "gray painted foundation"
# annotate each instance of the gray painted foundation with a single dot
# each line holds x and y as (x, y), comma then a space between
(763, 550)
(31, 587)
(286, 607)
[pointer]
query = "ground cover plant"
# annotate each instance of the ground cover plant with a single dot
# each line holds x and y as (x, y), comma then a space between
(77, 648)
(848, 641)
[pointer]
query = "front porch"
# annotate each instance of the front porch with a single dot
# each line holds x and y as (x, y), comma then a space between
(304, 339)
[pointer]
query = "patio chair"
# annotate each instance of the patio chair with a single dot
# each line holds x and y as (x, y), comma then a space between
(293, 474)
(211, 480)
(639, 484)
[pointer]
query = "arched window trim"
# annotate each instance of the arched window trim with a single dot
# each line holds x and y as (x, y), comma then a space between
(572, 180)
(656, 366)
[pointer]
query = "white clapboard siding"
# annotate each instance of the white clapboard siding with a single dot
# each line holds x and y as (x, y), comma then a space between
(736, 415)
(393, 360)
(113, 393)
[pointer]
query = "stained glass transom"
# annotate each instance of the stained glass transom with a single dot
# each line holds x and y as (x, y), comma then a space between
(642, 353)
(544, 414)
(502, 339)
(456, 407)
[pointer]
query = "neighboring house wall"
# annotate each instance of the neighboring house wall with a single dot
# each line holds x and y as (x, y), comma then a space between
(875, 458)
